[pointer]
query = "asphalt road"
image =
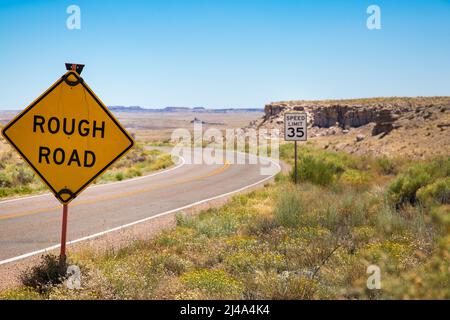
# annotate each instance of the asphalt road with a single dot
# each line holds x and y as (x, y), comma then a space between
(33, 223)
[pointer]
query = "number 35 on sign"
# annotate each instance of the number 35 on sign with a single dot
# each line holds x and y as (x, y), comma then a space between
(295, 126)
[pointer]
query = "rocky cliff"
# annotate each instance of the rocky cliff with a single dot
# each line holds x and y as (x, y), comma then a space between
(371, 125)
(343, 115)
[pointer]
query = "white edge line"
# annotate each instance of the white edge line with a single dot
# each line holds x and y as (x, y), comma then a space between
(95, 235)
(183, 162)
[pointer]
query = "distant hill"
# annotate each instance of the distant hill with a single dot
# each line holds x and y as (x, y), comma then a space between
(181, 109)
(127, 109)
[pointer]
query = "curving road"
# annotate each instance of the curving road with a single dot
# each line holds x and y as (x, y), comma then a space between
(31, 225)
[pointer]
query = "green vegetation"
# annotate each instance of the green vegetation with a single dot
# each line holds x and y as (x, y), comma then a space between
(428, 181)
(136, 163)
(45, 275)
(17, 178)
(313, 240)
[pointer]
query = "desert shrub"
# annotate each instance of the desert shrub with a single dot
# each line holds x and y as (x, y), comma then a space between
(172, 264)
(242, 242)
(5, 180)
(245, 261)
(161, 162)
(129, 278)
(217, 284)
(395, 256)
(225, 221)
(385, 165)
(22, 175)
(321, 171)
(389, 221)
(5, 159)
(404, 221)
(363, 234)
(280, 177)
(261, 224)
(25, 293)
(403, 189)
(441, 215)
(429, 280)
(6, 192)
(311, 205)
(131, 173)
(17, 178)
(184, 220)
(135, 155)
(136, 163)
(44, 275)
(288, 208)
(217, 226)
(405, 186)
(324, 167)
(280, 286)
(436, 192)
(356, 178)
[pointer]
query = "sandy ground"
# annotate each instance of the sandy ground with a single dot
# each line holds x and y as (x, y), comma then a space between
(417, 139)
(158, 126)
(152, 127)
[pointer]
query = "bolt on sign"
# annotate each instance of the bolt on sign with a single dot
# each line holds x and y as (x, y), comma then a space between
(68, 136)
(295, 126)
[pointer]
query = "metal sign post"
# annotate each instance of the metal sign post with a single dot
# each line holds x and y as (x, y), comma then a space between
(62, 255)
(295, 129)
(295, 163)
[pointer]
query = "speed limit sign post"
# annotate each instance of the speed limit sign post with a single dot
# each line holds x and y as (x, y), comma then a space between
(295, 129)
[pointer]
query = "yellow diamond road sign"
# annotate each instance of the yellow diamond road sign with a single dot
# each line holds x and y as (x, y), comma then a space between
(68, 136)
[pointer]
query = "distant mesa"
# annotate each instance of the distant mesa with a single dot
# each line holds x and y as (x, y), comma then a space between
(127, 109)
(181, 109)
(175, 109)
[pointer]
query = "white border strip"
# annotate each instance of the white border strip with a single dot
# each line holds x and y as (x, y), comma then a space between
(95, 235)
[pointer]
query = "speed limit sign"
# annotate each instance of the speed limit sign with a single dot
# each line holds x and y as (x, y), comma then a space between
(295, 125)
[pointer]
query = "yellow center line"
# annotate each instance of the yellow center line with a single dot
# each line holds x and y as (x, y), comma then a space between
(117, 196)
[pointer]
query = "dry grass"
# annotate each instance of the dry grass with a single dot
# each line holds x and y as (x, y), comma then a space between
(156, 127)
(310, 241)
(17, 178)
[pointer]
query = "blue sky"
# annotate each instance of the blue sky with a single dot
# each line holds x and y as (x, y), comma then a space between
(225, 53)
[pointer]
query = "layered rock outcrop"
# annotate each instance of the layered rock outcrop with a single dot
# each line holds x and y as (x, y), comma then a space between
(333, 116)
(384, 122)
(328, 116)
